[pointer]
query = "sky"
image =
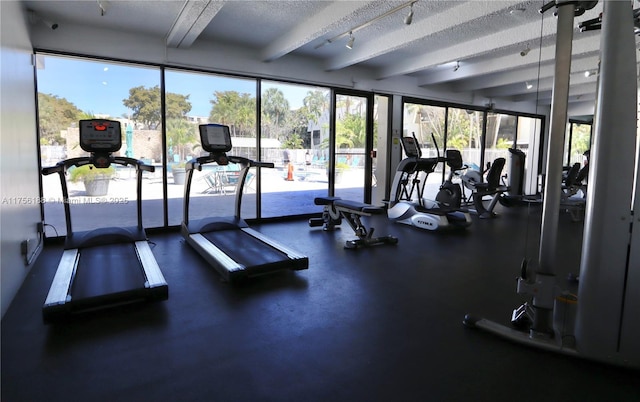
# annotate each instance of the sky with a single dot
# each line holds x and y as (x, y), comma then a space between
(99, 87)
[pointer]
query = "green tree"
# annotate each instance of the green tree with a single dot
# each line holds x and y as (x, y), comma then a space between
(177, 105)
(274, 106)
(295, 129)
(315, 104)
(294, 141)
(236, 110)
(350, 131)
(180, 134)
(145, 104)
(458, 127)
(55, 114)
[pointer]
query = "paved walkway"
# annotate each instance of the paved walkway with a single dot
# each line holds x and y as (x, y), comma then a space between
(279, 198)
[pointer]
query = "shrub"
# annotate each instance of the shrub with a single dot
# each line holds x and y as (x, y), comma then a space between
(88, 173)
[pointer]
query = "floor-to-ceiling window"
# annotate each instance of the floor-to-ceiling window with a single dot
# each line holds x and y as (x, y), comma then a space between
(320, 141)
(577, 140)
(428, 124)
(71, 89)
(192, 99)
(500, 136)
(481, 137)
(294, 135)
(528, 141)
(353, 128)
(380, 174)
(464, 133)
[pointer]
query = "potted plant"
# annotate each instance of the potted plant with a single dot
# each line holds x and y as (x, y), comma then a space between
(340, 169)
(180, 133)
(96, 180)
(179, 172)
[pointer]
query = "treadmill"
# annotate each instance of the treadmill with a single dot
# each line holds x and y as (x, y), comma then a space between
(107, 266)
(228, 244)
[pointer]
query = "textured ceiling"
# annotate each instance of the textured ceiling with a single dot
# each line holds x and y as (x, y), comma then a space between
(484, 38)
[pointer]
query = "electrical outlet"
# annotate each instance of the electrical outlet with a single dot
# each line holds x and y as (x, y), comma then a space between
(24, 247)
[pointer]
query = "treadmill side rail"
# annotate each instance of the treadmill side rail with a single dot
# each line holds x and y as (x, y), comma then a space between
(59, 290)
(149, 265)
(216, 257)
(293, 255)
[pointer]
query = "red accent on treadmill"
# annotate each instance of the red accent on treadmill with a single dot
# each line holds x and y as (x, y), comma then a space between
(100, 126)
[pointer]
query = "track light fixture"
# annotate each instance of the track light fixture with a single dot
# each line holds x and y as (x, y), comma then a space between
(590, 73)
(407, 20)
(525, 51)
(102, 5)
(529, 85)
(456, 67)
(351, 40)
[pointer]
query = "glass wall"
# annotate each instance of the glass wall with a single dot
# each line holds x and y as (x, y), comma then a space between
(480, 136)
(294, 135)
(290, 125)
(500, 136)
(427, 123)
(577, 141)
(198, 98)
(381, 177)
(464, 133)
(351, 132)
(528, 141)
(71, 89)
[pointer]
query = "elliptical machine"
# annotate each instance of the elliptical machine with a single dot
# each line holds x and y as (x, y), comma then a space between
(408, 205)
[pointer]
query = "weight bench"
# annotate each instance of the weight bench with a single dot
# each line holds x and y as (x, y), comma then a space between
(335, 209)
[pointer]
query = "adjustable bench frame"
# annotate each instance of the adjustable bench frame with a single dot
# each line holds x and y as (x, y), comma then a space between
(335, 209)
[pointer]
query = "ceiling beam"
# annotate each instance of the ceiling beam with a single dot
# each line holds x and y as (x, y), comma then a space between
(484, 45)
(583, 46)
(335, 15)
(464, 13)
(194, 17)
(517, 75)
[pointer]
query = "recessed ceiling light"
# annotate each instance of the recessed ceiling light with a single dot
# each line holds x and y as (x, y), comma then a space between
(517, 11)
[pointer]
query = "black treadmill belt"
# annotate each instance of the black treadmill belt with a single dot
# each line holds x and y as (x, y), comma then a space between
(109, 269)
(244, 248)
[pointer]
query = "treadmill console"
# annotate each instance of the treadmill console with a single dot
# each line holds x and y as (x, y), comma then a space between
(101, 136)
(410, 147)
(215, 138)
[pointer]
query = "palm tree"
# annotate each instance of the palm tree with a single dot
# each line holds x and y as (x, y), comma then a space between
(235, 110)
(274, 106)
(316, 103)
(351, 131)
(180, 133)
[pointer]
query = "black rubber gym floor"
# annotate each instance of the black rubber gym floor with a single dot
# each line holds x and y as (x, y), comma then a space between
(378, 324)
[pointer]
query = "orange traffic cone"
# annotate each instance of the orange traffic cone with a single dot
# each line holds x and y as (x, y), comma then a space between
(289, 173)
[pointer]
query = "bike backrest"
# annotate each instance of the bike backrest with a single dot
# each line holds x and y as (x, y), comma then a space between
(572, 175)
(454, 159)
(583, 174)
(495, 171)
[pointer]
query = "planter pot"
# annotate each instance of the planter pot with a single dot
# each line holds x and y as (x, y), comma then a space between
(179, 175)
(98, 186)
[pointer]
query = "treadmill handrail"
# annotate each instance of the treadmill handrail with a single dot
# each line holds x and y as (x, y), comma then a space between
(197, 163)
(62, 167)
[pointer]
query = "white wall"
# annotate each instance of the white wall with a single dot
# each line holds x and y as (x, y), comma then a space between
(19, 176)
